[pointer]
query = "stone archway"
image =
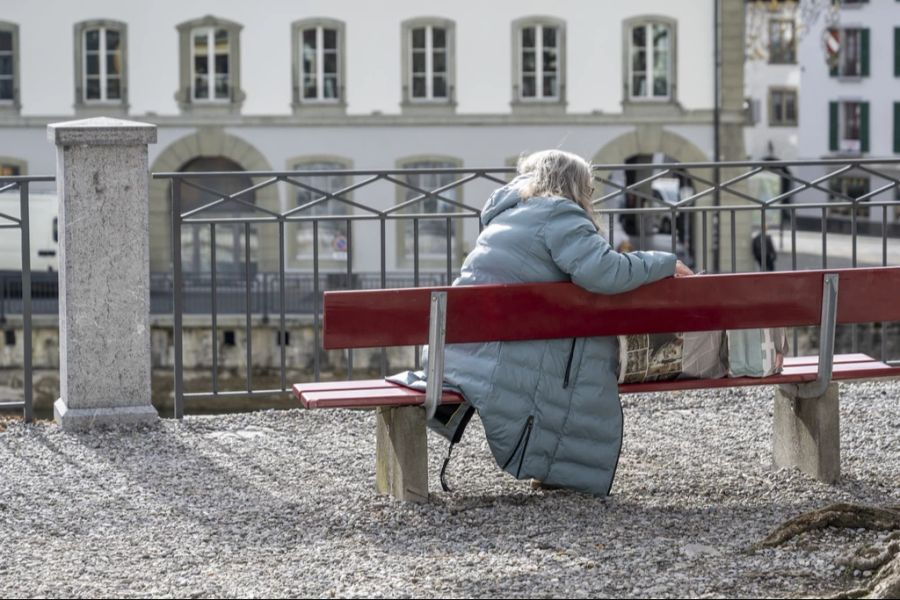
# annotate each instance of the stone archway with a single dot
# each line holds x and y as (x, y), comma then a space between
(206, 142)
(651, 139)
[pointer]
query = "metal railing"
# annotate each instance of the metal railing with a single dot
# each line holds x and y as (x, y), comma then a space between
(667, 206)
(10, 222)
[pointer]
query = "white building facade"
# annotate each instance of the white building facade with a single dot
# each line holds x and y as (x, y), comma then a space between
(850, 108)
(278, 85)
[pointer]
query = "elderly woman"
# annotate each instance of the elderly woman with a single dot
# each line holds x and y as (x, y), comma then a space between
(550, 408)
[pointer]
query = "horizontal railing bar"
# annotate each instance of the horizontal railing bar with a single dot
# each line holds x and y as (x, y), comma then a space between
(235, 394)
(11, 405)
(17, 178)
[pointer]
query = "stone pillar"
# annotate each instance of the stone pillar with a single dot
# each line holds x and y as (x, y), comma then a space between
(102, 180)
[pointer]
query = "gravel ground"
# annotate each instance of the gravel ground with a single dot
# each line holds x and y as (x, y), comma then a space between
(275, 504)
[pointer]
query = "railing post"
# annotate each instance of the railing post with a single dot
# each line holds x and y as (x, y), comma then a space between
(104, 272)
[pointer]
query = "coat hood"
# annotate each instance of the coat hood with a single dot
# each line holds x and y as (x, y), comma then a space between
(502, 199)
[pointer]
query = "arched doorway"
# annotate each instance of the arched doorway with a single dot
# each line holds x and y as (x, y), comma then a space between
(231, 239)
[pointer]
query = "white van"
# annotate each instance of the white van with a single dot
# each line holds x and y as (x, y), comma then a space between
(42, 217)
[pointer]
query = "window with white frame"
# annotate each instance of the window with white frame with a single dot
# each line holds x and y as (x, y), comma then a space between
(650, 63)
(434, 231)
(331, 233)
(539, 75)
(319, 64)
(7, 64)
(428, 47)
(782, 107)
(210, 64)
(209, 77)
(101, 67)
(782, 45)
(851, 126)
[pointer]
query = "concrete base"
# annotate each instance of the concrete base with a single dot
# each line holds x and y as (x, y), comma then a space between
(807, 434)
(82, 419)
(401, 453)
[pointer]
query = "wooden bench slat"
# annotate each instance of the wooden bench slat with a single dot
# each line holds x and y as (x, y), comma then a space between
(378, 392)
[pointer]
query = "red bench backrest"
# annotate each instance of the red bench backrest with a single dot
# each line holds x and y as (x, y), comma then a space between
(399, 317)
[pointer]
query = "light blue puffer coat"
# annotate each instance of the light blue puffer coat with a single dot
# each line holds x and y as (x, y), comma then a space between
(550, 408)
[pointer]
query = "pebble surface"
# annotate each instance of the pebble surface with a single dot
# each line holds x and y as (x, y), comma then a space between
(282, 503)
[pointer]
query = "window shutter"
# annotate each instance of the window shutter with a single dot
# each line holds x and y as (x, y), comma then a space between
(896, 51)
(864, 52)
(896, 127)
(833, 128)
(864, 126)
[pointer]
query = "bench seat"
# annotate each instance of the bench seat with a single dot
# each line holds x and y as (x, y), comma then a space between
(371, 393)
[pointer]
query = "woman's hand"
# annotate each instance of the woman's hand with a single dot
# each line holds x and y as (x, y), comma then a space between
(682, 270)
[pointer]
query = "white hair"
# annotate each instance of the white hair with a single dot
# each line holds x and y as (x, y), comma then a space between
(557, 173)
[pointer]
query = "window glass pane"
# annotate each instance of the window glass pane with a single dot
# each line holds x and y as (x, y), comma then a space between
(201, 88)
(418, 62)
(851, 120)
(221, 41)
(639, 36)
(113, 89)
(221, 86)
(549, 60)
(92, 39)
(438, 37)
(433, 233)
(330, 86)
(661, 74)
(639, 85)
(439, 87)
(419, 86)
(330, 65)
(639, 61)
(332, 234)
(309, 86)
(790, 107)
(309, 39)
(113, 65)
(6, 89)
(92, 89)
(309, 60)
(528, 63)
(418, 37)
(221, 64)
(201, 65)
(330, 39)
(6, 64)
(200, 45)
(549, 37)
(777, 112)
(112, 40)
(850, 52)
(660, 37)
(528, 86)
(439, 62)
(5, 41)
(528, 37)
(92, 64)
(549, 86)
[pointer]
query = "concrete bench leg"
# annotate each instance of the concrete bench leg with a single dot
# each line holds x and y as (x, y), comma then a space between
(401, 462)
(807, 434)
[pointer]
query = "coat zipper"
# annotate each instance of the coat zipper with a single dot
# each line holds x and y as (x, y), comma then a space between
(569, 364)
(528, 426)
(526, 432)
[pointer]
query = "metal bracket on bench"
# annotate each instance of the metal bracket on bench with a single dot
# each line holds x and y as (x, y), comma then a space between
(827, 331)
(437, 329)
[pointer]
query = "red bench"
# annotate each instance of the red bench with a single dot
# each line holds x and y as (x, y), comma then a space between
(806, 408)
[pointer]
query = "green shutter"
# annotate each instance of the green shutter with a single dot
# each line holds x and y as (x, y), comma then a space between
(864, 51)
(864, 126)
(833, 126)
(896, 127)
(896, 51)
